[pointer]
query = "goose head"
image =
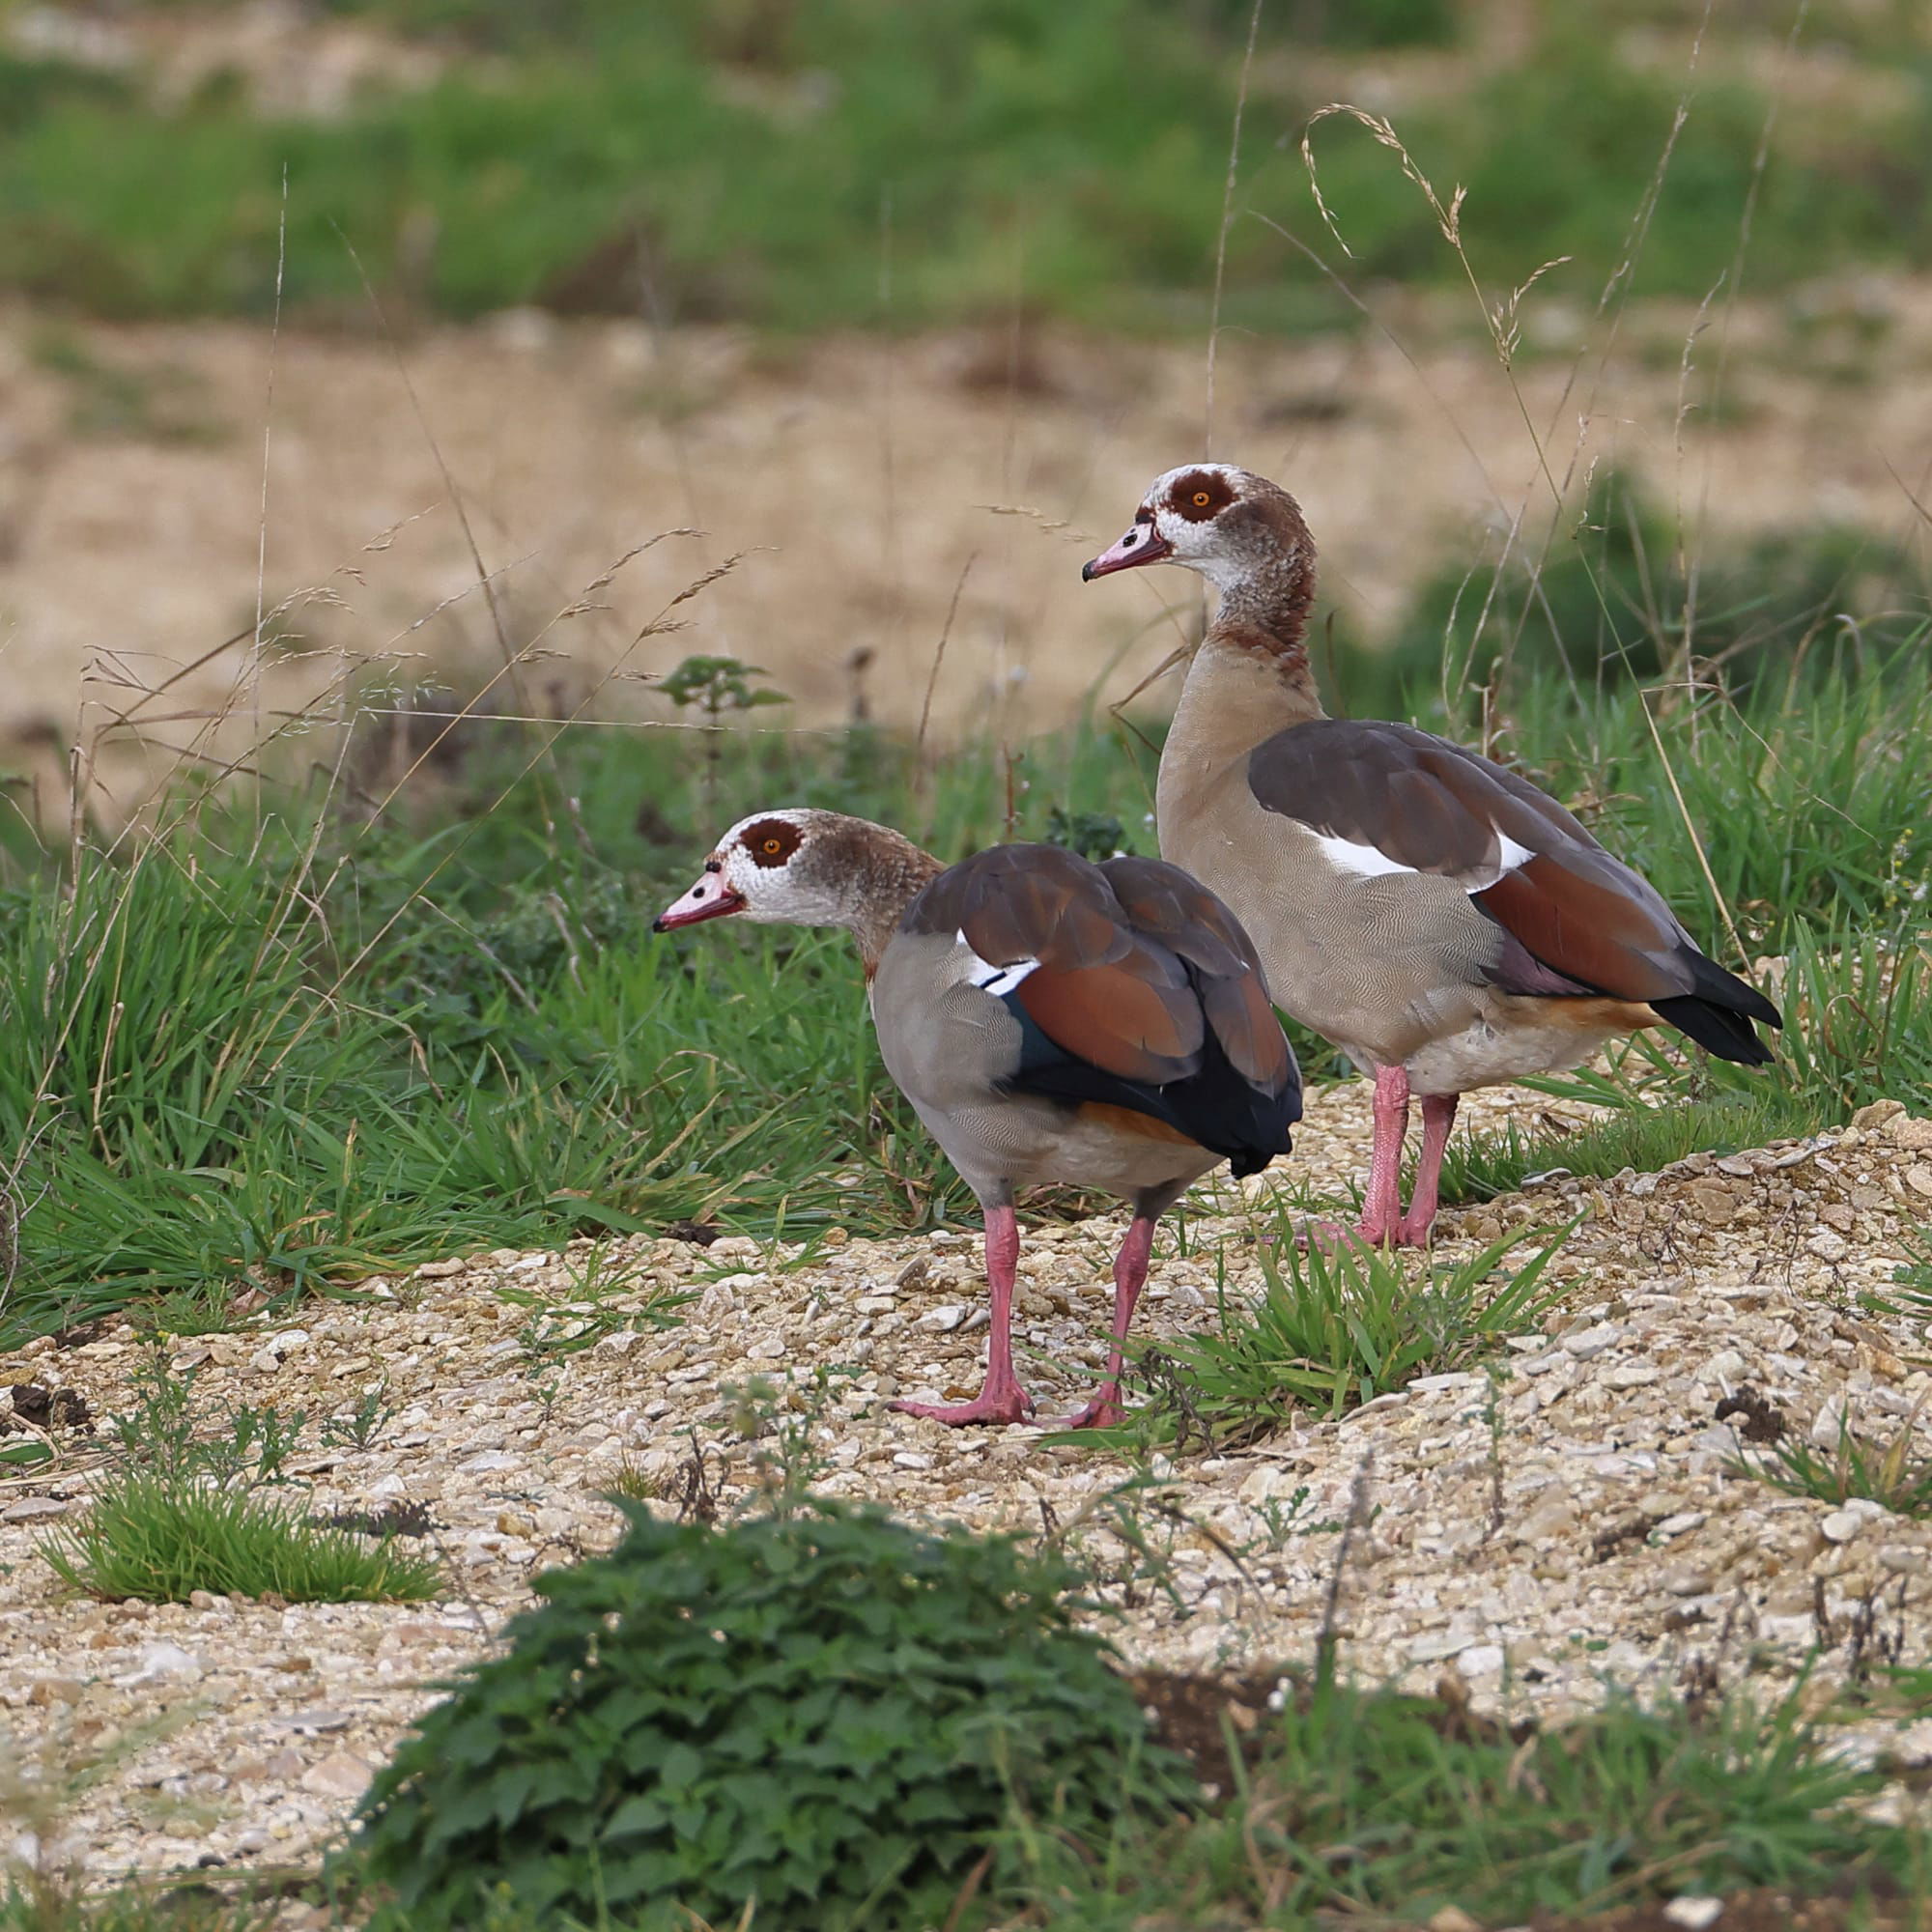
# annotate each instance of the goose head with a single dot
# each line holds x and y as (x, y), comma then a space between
(779, 868)
(1214, 518)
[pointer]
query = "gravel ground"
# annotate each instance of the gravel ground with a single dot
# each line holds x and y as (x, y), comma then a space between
(1570, 1523)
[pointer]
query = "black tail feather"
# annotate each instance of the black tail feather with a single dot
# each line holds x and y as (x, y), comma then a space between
(1726, 1033)
(1718, 1011)
(1216, 1107)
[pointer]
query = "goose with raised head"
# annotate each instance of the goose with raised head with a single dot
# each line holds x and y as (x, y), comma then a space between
(1437, 917)
(1104, 1025)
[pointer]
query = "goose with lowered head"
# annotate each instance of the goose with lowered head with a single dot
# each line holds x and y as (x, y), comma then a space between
(1104, 1026)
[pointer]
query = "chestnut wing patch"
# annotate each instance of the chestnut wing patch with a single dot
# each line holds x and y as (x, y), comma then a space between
(1418, 803)
(1575, 921)
(1094, 992)
(1175, 908)
(1585, 927)
(1134, 998)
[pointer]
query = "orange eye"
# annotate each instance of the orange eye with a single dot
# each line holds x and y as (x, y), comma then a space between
(773, 846)
(1201, 499)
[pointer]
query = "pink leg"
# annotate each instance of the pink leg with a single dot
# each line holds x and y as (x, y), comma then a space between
(1438, 1116)
(1002, 1400)
(1131, 1270)
(1382, 1208)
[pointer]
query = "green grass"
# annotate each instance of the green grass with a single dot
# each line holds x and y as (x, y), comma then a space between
(1334, 1328)
(1608, 601)
(700, 163)
(36, 1903)
(1381, 1808)
(283, 1056)
(1894, 1472)
(1914, 1276)
(159, 1537)
(1479, 1167)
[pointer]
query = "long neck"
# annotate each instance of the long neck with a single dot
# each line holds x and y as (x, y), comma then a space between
(885, 871)
(1249, 679)
(1263, 617)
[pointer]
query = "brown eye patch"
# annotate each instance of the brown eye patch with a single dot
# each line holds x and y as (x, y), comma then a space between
(1199, 494)
(771, 841)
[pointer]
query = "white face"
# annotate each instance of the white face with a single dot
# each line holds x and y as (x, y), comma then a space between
(756, 870)
(1179, 522)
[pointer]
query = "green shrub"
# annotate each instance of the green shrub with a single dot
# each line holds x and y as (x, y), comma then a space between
(828, 1713)
(160, 1537)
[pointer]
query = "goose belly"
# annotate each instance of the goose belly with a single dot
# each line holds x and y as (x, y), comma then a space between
(1518, 1037)
(1017, 1141)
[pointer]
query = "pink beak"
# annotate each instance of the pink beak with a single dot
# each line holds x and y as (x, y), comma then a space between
(709, 898)
(1141, 544)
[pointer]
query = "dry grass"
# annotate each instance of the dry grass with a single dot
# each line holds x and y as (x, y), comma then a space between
(137, 560)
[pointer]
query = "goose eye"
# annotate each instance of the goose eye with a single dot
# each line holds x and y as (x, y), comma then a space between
(1201, 499)
(773, 846)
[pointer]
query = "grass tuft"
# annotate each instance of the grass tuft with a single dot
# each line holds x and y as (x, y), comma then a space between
(156, 1538)
(43, 1902)
(1896, 1472)
(1642, 1136)
(1335, 1328)
(1368, 1806)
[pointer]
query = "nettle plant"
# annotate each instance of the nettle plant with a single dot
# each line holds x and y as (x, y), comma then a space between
(717, 688)
(824, 1716)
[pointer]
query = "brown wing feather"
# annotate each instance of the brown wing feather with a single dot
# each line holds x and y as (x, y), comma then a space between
(1118, 1019)
(1100, 991)
(1243, 1020)
(1198, 928)
(1147, 996)
(1587, 931)
(1432, 807)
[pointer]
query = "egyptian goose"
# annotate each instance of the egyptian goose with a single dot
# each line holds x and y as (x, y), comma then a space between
(1439, 918)
(1049, 1019)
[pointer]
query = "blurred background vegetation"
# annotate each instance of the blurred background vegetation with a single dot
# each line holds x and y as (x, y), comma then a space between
(400, 997)
(810, 163)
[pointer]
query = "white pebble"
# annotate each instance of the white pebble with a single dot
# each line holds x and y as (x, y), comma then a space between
(1841, 1526)
(1694, 1911)
(1680, 1525)
(1631, 1375)
(1590, 1342)
(1830, 1422)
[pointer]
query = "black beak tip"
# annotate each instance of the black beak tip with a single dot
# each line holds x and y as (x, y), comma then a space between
(658, 924)
(1086, 572)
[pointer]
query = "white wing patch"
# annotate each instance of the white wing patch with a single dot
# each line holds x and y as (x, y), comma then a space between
(998, 980)
(1359, 861)
(1370, 862)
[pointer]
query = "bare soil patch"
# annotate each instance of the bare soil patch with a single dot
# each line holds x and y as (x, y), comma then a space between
(862, 481)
